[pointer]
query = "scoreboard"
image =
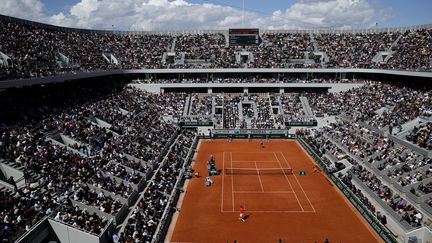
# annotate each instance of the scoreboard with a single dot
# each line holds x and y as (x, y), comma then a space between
(244, 37)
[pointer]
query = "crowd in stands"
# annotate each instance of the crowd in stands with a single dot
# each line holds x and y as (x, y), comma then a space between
(403, 166)
(202, 105)
(245, 110)
(291, 106)
(171, 104)
(120, 171)
(279, 49)
(33, 50)
(413, 51)
(400, 205)
(361, 142)
(360, 195)
(65, 173)
(378, 104)
(200, 46)
(80, 218)
(324, 147)
(354, 50)
(264, 118)
(394, 200)
(142, 225)
(422, 189)
(406, 167)
(231, 117)
(421, 135)
(99, 201)
(415, 177)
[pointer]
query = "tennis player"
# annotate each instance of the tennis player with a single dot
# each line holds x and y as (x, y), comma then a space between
(242, 214)
(261, 143)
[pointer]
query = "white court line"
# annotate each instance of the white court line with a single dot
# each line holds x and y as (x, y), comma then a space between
(274, 211)
(260, 161)
(223, 178)
(259, 177)
(184, 241)
(232, 185)
(258, 192)
(277, 160)
(298, 182)
(255, 152)
(292, 188)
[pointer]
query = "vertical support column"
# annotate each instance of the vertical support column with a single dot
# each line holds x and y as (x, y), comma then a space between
(210, 90)
(246, 90)
(281, 90)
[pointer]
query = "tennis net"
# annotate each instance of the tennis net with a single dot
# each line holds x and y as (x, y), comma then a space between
(258, 171)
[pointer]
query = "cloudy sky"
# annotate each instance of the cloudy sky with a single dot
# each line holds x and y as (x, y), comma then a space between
(221, 14)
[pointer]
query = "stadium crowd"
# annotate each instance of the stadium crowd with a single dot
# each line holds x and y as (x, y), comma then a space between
(142, 225)
(202, 105)
(34, 50)
(65, 175)
(379, 104)
(406, 167)
(400, 205)
(421, 135)
(382, 106)
(354, 50)
(394, 200)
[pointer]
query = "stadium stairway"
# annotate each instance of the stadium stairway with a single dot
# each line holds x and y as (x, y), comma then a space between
(272, 115)
(306, 107)
(313, 41)
(382, 56)
(381, 110)
(11, 168)
(180, 61)
(187, 106)
(325, 121)
(123, 111)
(395, 42)
(173, 45)
(255, 109)
(240, 110)
(213, 105)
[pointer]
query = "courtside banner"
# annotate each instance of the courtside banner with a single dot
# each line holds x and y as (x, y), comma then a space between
(251, 133)
(311, 123)
(196, 124)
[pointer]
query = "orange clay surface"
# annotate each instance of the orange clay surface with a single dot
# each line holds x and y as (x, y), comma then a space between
(293, 208)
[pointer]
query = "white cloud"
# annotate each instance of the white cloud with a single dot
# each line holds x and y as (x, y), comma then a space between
(181, 14)
(28, 9)
(323, 14)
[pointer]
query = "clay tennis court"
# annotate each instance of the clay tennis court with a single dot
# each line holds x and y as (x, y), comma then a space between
(280, 204)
